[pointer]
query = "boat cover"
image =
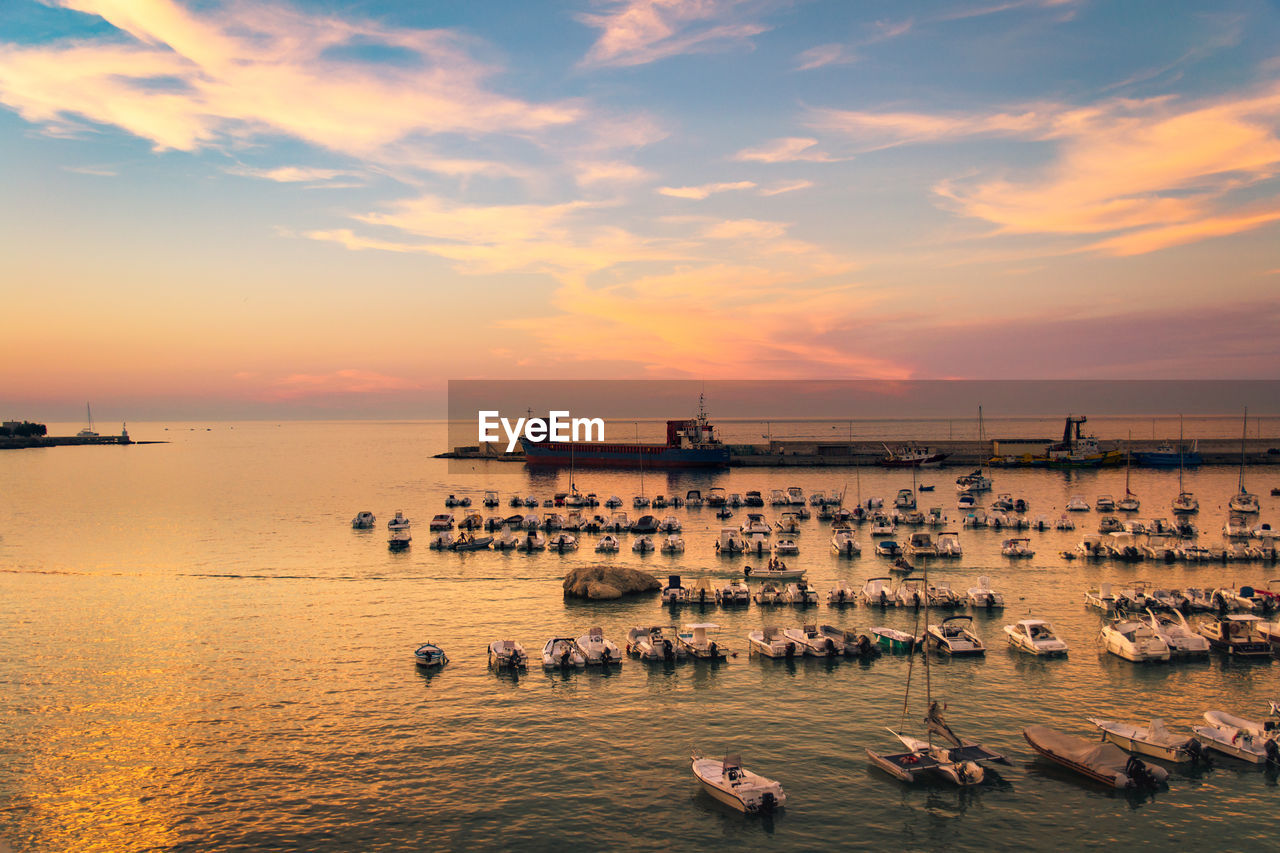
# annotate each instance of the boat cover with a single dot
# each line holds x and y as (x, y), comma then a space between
(1105, 759)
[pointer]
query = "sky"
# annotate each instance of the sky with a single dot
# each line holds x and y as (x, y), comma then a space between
(318, 208)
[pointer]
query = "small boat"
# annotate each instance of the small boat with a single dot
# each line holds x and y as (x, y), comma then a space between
(1017, 548)
(1237, 635)
(1077, 503)
(734, 592)
(597, 649)
(911, 456)
(653, 644)
(1105, 503)
(948, 545)
(1248, 740)
(702, 592)
(699, 643)
(490, 499)
(1153, 740)
(730, 542)
(920, 545)
(841, 594)
(507, 654)
(467, 542)
(983, 596)
(776, 572)
(850, 643)
(1177, 634)
(453, 501)
(399, 540)
(645, 524)
(888, 548)
(954, 636)
(768, 594)
(399, 522)
(506, 540)
(1102, 599)
(673, 544)
(430, 655)
(693, 498)
(471, 521)
(911, 592)
(844, 544)
(1134, 641)
(755, 523)
(674, 592)
(1186, 504)
(643, 545)
(443, 521)
(1102, 762)
(1064, 522)
(608, 544)
(533, 540)
(785, 548)
(530, 502)
(1035, 636)
(735, 786)
(877, 592)
(562, 653)
(799, 594)
(882, 525)
(905, 499)
(894, 640)
(773, 643)
(613, 502)
(966, 501)
(562, 542)
(814, 642)
(363, 520)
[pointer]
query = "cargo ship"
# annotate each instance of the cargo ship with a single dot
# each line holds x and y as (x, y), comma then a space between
(690, 444)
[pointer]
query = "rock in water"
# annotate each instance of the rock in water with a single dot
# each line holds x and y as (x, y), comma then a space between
(604, 582)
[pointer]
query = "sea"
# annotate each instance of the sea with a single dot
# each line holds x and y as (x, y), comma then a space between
(198, 652)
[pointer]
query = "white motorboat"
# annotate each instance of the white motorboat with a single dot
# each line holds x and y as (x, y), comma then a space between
(1077, 503)
(841, 594)
(1177, 634)
(888, 548)
(1236, 634)
(654, 644)
(954, 636)
(1185, 504)
(772, 642)
(1134, 641)
(905, 499)
(639, 502)
(699, 641)
(598, 649)
(983, 596)
(491, 499)
(800, 594)
(673, 544)
(562, 653)
(768, 594)
(505, 540)
(795, 496)
(785, 548)
(670, 524)
(1152, 739)
(1017, 548)
(533, 540)
(755, 524)
(850, 643)
(363, 520)
(893, 640)
(942, 596)
(730, 542)
(430, 655)
(814, 642)
(934, 517)
(507, 654)
(948, 545)
(877, 592)
(1094, 545)
(608, 544)
(1035, 636)
(730, 783)
(1192, 553)
(1248, 740)
(758, 544)
(1105, 503)
(920, 545)
(775, 572)
(642, 545)
(1160, 547)
(399, 522)
(439, 542)
(613, 502)
(1102, 598)
(562, 542)
(1102, 762)
(911, 592)
(882, 525)
(471, 521)
(619, 522)
(1129, 503)
(789, 523)
(702, 592)
(530, 502)
(844, 544)
(443, 521)
(1064, 522)
(778, 497)
(734, 592)
(966, 502)
(674, 592)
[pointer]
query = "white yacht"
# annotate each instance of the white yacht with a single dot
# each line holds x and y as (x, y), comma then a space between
(1177, 634)
(983, 596)
(1035, 636)
(1134, 641)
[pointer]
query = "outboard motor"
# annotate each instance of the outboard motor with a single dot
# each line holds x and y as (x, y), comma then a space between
(714, 649)
(1272, 749)
(831, 647)
(791, 650)
(668, 650)
(884, 599)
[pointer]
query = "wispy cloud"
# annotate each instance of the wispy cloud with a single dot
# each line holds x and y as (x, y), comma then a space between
(704, 190)
(99, 171)
(291, 174)
(785, 187)
(823, 55)
(637, 32)
(186, 80)
(789, 149)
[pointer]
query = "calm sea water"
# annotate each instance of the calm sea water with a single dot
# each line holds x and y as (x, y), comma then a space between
(197, 652)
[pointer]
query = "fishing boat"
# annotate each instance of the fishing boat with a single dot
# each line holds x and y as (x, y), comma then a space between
(1153, 740)
(1247, 740)
(954, 636)
(773, 643)
(729, 782)
(430, 655)
(698, 641)
(562, 653)
(983, 596)
(1036, 637)
(775, 572)
(910, 456)
(598, 649)
(507, 654)
(363, 521)
(1237, 635)
(1134, 641)
(1102, 762)
(894, 640)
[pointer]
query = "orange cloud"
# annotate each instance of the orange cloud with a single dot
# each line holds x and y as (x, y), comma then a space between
(188, 80)
(788, 150)
(348, 381)
(637, 32)
(698, 193)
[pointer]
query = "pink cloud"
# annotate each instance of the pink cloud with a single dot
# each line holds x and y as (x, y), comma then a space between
(637, 32)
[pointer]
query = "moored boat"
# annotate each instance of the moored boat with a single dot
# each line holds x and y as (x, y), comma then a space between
(1153, 740)
(730, 783)
(1102, 762)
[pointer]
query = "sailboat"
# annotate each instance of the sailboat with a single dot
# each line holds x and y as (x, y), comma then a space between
(1242, 501)
(958, 761)
(88, 431)
(1185, 503)
(640, 501)
(979, 480)
(1130, 502)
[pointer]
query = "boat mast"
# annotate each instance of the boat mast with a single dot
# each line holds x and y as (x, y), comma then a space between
(637, 425)
(1244, 431)
(1179, 454)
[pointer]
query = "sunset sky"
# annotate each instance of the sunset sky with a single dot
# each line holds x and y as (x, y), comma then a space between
(263, 208)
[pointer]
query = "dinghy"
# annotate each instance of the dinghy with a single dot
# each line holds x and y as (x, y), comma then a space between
(730, 783)
(1238, 737)
(430, 655)
(1102, 762)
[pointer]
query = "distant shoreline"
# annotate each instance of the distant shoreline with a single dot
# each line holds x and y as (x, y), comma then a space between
(25, 442)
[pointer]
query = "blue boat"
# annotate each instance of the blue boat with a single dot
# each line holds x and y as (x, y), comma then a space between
(1168, 456)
